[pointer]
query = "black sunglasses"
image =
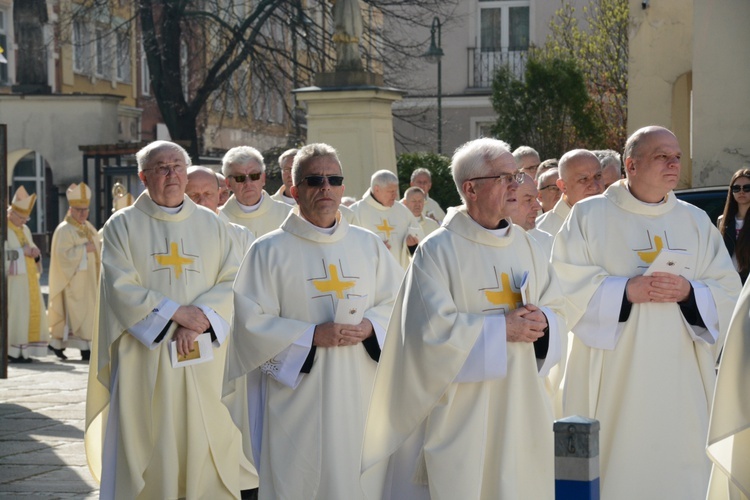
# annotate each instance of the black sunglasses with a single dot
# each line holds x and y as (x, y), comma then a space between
(241, 178)
(318, 180)
(737, 188)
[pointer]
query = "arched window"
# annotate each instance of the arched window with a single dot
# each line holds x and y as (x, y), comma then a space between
(29, 173)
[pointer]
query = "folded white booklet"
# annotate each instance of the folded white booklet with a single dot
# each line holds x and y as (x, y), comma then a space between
(525, 288)
(350, 311)
(668, 261)
(201, 352)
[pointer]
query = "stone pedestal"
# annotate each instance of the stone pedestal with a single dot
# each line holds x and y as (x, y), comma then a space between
(357, 121)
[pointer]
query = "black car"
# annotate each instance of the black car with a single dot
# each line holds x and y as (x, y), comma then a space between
(711, 199)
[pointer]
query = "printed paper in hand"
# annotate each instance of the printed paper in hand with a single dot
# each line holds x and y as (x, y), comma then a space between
(668, 261)
(201, 352)
(350, 311)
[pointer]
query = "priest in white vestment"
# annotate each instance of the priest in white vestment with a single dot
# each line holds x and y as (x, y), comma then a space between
(250, 205)
(729, 430)
(422, 178)
(414, 200)
(580, 177)
(27, 317)
(645, 347)
(300, 372)
(393, 222)
(459, 408)
(74, 276)
(154, 430)
(284, 194)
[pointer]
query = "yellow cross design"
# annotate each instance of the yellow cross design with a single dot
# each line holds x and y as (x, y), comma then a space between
(174, 259)
(506, 296)
(386, 228)
(334, 284)
(649, 256)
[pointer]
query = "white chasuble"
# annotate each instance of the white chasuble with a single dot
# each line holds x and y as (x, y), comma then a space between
(27, 317)
(455, 406)
(650, 379)
(551, 222)
(392, 224)
(154, 431)
(433, 210)
(268, 217)
(306, 433)
(729, 430)
(73, 283)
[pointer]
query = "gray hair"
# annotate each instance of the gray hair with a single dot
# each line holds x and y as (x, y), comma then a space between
(523, 152)
(420, 171)
(570, 156)
(146, 153)
(383, 178)
(608, 157)
(241, 155)
(471, 158)
(308, 153)
(546, 174)
(413, 190)
(285, 156)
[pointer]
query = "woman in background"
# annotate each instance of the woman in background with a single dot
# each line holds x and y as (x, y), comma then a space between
(733, 222)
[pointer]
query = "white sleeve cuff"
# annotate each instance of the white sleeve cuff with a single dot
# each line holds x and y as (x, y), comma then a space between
(221, 327)
(379, 333)
(707, 310)
(488, 357)
(285, 367)
(147, 329)
(599, 326)
(554, 349)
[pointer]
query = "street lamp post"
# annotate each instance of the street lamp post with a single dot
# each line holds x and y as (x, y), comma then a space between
(435, 55)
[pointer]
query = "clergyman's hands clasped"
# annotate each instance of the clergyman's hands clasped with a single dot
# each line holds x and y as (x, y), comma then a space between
(338, 335)
(192, 318)
(659, 287)
(525, 324)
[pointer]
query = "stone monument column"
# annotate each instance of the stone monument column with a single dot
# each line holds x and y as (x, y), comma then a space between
(349, 108)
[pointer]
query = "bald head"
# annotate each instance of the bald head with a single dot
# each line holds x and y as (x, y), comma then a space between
(580, 175)
(652, 163)
(203, 187)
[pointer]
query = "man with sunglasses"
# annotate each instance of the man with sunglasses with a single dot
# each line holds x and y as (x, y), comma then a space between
(580, 177)
(306, 370)
(646, 343)
(474, 331)
(549, 194)
(74, 276)
(393, 222)
(153, 429)
(250, 205)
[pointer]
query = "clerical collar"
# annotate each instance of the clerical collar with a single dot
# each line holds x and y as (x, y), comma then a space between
(500, 232)
(251, 208)
(325, 230)
(663, 200)
(172, 210)
(288, 200)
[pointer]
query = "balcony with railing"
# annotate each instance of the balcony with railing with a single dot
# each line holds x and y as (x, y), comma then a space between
(482, 65)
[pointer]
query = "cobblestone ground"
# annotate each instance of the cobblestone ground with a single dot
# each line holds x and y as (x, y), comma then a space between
(42, 412)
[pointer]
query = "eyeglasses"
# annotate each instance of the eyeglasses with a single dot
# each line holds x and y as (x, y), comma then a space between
(530, 168)
(242, 178)
(504, 178)
(318, 180)
(166, 169)
(744, 188)
(553, 187)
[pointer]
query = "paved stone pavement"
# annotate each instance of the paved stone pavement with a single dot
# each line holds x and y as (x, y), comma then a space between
(42, 411)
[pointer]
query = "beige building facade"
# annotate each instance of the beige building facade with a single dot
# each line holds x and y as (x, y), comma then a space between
(688, 72)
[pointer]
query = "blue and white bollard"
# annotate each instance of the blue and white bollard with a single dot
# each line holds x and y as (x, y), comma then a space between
(576, 458)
